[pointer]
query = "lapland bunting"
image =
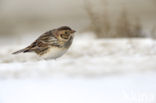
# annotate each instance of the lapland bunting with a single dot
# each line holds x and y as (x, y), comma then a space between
(51, 44)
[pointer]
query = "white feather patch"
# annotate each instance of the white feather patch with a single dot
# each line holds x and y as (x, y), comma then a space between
(54, 53)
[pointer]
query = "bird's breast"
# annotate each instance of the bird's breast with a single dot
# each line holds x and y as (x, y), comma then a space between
(54, 52)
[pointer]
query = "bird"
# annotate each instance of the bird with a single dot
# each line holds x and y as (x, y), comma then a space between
(51, 44)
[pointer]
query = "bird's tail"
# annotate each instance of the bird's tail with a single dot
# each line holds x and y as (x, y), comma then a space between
(21, 51)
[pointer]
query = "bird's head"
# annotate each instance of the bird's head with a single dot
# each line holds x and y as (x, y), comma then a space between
(64, 33)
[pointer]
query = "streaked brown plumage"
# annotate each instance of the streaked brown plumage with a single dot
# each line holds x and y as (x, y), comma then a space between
(51, 44)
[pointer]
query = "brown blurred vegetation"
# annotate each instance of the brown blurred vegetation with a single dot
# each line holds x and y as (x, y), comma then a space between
(27, 17)
(102, 26)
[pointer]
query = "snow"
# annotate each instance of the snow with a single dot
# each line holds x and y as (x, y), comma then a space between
(92, 71)
(88, 56)
(110, 89)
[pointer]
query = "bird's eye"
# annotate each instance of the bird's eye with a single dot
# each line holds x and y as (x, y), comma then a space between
(66, 32)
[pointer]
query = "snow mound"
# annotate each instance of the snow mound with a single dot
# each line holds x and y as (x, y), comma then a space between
(88, 56)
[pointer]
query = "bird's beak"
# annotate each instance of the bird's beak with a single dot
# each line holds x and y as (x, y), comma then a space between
(73, 31)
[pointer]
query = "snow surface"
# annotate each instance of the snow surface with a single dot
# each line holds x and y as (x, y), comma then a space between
(92, 71)
(87, 57)
(110, 89)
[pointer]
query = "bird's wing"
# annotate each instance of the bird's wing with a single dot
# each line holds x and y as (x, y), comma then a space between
(43, 43)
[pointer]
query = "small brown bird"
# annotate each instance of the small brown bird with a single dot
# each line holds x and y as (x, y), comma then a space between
(52, 44)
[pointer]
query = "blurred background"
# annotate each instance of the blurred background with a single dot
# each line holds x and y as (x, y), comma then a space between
(107, 18)
(112, 58)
